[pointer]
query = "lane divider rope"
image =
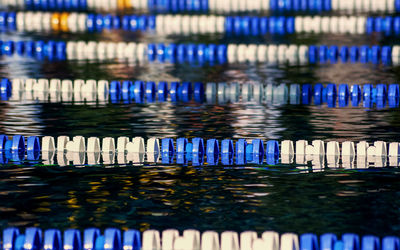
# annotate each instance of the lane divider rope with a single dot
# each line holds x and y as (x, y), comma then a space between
(102, 91)
(202, 53)
(224, 6)
(197, 24)
(195, 150)
(190, 239)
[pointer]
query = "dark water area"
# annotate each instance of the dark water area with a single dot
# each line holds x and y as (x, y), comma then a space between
(278, 198)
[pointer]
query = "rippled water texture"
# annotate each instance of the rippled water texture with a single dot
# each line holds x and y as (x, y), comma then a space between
(283, 198)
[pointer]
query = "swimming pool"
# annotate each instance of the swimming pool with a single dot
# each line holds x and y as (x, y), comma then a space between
(236, 99)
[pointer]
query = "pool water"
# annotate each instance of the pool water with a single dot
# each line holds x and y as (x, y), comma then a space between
(285, 197)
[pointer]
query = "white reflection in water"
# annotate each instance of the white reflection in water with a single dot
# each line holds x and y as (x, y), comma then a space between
(21, 118)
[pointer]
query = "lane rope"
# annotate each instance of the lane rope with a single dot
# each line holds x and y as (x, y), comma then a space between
(172, 239)
(202, 53)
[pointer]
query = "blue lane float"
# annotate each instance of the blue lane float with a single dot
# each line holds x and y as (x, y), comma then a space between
(52, 239)
(31, 240)
(241, 149)
(72, 239)
(227, 152)
(18, 147)
(309, 242)
(181, 150)
(111, 239)
(5, 88)
(167, 150)
(212, 152)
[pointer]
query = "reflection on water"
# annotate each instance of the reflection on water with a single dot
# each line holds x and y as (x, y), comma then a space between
(231, 120)
(198, 159)
(209, 197)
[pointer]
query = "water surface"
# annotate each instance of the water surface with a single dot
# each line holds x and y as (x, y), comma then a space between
(285, 197)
